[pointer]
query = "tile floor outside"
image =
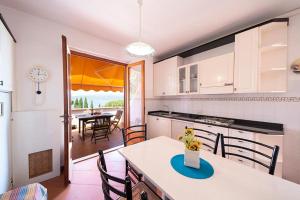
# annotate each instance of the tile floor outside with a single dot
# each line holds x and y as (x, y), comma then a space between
(82, 148)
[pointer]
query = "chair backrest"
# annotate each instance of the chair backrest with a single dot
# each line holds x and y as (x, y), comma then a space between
(134, 134)
(107, 187)
(272, 158)
(118, 115)
(206, 141)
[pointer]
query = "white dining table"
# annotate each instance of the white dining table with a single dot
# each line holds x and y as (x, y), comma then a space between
(230, 181)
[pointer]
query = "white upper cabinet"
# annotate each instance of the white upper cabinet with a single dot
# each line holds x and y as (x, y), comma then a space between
(188, 77)
(216, 74)
(246, 61)
(165, 73)
(272, 75)
(7, 48)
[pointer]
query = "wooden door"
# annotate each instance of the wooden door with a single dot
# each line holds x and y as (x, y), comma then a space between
(67, 119)
(135, 94)
(246, 61)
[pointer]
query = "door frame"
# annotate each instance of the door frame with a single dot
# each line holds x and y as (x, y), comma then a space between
(127, 91)
(66, 92)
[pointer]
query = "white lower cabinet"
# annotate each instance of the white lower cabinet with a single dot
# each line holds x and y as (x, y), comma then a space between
(271, 140)
(245, 135)
(158, 126)
(213, 129)
(178, 128)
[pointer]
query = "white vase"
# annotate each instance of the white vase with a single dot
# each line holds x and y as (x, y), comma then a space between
(191, 158)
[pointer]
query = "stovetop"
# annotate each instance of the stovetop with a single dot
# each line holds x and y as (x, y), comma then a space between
(215, 121)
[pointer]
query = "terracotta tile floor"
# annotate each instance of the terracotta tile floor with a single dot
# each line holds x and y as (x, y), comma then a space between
(86, 183)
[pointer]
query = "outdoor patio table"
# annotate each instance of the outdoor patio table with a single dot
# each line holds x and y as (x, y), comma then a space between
(84, 118)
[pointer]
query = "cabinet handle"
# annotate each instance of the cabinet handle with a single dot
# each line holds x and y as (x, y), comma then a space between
(1, 83)
(240, 141)
(157, 118)
(228, 84)
(200, 84)
(240, 160)
(240, 151)
(241, 131)
(209, 126)
(234, 89)
(163, 93)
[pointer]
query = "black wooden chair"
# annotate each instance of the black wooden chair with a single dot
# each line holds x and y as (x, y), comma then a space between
(101, 129)
(210, 142)
(272, 158)
(132, 135)
(139, 192)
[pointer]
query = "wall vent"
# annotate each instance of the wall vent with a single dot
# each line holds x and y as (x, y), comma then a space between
(40, 163)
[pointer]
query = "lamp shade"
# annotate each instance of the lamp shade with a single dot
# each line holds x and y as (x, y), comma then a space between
(140, 49)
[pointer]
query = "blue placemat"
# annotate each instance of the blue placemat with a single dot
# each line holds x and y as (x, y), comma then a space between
(205, 171)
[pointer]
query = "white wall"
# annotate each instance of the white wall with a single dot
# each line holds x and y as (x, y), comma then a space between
(287, 113)
(38, 127)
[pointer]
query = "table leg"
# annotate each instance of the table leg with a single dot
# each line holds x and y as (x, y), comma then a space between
(83, 129)
(79, 125)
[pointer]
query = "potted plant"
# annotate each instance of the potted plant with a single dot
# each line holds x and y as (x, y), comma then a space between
(192, 148)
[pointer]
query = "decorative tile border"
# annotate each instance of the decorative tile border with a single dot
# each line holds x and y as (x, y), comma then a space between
(259, 99)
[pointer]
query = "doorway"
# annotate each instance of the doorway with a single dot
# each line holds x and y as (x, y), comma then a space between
(133, 97)
(97, 88)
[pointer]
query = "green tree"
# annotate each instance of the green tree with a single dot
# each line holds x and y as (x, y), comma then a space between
(115, 103)
(85, 105)
(92, 104)
(80, 103)
(76, 104)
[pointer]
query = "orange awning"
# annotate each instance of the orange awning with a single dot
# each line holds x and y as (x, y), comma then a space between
(94, 74)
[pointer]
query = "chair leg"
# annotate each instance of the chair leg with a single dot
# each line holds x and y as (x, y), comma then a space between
(126, 169)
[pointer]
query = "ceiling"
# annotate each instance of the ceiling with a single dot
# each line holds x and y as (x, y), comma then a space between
(169, 25)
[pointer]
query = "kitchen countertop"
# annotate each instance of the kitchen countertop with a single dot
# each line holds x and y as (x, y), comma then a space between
(240, 124)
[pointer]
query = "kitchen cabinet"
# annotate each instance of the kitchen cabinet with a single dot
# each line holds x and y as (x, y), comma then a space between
(246, 61)
(272, 75)
(178, 128)
(271, 140)
(7, 48)
(188, 78)
(261, 59)
(213, 129)
(164, 76)
(158, 126)
(216, 74)
(245, 135)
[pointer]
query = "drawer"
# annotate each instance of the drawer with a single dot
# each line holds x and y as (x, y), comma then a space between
(243, 161)
(242, 134)
(205, 134)
(204, 127)
(241, 152)
(241, 143)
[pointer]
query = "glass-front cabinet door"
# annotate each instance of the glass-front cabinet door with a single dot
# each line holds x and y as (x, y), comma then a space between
(182, 80)
(193, 78)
